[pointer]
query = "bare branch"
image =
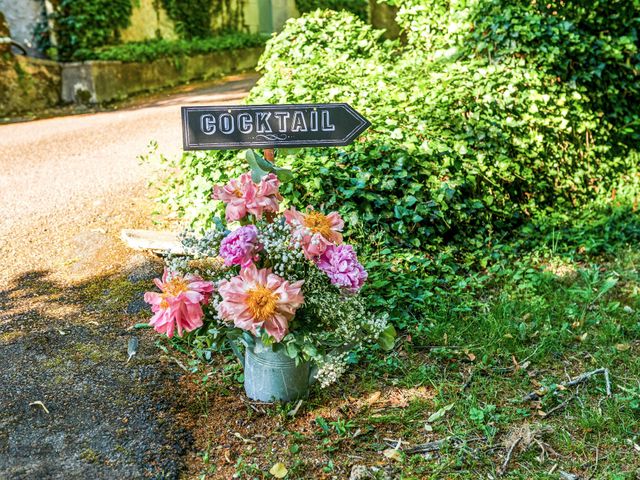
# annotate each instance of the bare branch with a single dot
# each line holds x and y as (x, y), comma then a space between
(536, 395)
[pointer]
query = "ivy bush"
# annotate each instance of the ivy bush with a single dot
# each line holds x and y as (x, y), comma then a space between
(192, 18)
(153, 49)
(87, 24)
(476, 126)
(360, 8)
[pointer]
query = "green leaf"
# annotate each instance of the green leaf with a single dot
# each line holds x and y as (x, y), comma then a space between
(256, 171)
(434, 417)
(387, 338)
(283, 174)
(292, 350)
(138, 326)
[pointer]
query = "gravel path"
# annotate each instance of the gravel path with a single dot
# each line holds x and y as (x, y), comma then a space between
(69, 289)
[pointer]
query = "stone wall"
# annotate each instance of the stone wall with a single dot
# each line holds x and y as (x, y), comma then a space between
(28, 84)
(22, 17)
(100, 81)
(148, 20)
(282, 10)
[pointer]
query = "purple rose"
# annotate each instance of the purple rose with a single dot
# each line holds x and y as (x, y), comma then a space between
(240, 246)
(341, 265)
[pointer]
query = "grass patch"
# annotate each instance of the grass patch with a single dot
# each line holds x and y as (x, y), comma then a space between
(450, 396)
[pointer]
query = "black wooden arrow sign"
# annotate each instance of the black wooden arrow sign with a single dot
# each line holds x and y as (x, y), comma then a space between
(269, 126)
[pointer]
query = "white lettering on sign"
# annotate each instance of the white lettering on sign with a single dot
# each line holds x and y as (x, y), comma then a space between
(299, 124)
(326, 125)
(208, 124)
(282, 120)
(262, 122)
(247, 123)
(227, 123)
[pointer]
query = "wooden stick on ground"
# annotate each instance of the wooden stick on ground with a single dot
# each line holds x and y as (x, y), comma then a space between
(579, 379)
(503, 468)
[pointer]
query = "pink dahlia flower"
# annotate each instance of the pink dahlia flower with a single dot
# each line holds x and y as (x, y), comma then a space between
(236, 194)
(314, 230)
(180, 303)
(341, 265)
(242, 196)
(240, 246)
(267, 197)
(259, 298)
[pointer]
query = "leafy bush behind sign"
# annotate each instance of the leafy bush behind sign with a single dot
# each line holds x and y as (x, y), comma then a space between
(492, 112)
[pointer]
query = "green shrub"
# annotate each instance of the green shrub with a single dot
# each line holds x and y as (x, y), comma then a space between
(192, 18)
(472, 131)
(360, 8)
(88, 24)
(154, 49)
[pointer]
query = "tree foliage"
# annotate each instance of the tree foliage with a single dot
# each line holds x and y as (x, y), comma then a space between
(360, 8)
(88, 24)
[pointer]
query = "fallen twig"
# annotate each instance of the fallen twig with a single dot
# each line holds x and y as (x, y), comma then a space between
(294, 412)
(180, 364)
(503, 468)
(433, 446)
(536, 395)
(558, 407)
(427, 447)
(39, 404)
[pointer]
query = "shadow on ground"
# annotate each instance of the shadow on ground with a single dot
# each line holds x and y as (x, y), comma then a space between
(66, 346)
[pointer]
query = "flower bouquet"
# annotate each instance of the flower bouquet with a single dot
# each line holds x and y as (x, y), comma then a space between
(279, 281)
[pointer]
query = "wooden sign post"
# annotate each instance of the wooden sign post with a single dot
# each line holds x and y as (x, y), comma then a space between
(270, 126)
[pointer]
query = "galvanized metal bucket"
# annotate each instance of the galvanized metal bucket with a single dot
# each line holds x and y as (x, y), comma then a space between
(273, 376)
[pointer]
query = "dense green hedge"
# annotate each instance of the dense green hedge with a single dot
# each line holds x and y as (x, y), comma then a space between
(87, 24)
(192, 18)
(154, 49)
(487, 116)
(360, 8)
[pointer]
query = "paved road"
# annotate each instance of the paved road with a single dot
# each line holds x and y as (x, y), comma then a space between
(69, 289)
(63, 172)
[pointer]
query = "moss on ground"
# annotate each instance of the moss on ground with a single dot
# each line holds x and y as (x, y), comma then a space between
(76, 364)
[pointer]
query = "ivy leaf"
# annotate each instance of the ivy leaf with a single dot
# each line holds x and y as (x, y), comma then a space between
(283, 174)
(387, 338)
